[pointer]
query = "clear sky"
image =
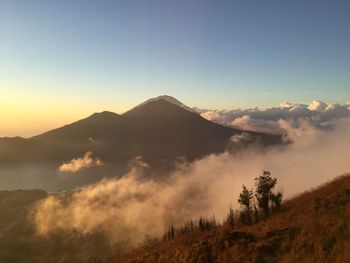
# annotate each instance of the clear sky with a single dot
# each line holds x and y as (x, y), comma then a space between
(64, 60)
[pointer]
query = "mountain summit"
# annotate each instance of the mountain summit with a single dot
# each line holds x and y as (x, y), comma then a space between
(160, 130)
(157, 130)
(169, 99)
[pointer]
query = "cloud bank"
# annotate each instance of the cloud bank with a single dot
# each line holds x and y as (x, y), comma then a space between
(78, 164)
(128, 208)
(319, 114)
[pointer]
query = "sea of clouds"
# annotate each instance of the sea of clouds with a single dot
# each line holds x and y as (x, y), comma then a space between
(129, 208)
(319, 114)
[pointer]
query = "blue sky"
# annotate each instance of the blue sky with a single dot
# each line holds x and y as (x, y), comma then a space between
(71, 58)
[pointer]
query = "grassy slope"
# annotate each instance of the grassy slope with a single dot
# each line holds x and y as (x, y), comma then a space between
(313, 227)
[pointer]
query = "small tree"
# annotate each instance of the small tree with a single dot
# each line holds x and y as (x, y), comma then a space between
(201, 224)
(170, 234)
(245, 200)
(230, 219)
(264, 195)
(276, 200)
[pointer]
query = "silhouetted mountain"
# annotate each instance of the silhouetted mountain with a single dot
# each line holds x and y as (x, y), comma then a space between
(169, 99)
(156, 121)
(98, 125)
(160, 131)
(157, 130)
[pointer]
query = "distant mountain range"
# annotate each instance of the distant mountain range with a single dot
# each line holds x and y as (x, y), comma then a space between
(160, 130)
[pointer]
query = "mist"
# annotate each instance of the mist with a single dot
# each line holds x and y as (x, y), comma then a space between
(129, 208)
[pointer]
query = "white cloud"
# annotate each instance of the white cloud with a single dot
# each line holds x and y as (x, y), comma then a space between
(243, 122)
(77, 164)
(318, 114)
(260, 125)
(211, 115)
(317, 106)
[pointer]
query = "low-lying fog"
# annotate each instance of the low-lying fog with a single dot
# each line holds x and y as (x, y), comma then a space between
(129, 208)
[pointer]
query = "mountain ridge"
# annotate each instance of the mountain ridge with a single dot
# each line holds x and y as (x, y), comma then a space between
(159, 131)
(160, 110)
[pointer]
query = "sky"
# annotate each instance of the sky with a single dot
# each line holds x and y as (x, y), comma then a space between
(64, 60)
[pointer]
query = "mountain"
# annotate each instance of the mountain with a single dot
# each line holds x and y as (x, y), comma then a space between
(312, 227)
(158, 130)
(97, 125)
(169, 99)
(154, 121)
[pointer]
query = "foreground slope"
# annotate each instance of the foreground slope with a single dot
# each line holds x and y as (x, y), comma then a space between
(313, 227)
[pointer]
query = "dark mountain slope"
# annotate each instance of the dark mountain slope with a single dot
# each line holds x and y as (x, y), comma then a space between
(171, 129)
(156, 120)
(159, 131)
(97, 126)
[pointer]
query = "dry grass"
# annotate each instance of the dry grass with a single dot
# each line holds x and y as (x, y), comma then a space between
(312, 227)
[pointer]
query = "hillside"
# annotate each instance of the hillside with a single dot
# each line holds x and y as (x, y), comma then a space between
(313, 227)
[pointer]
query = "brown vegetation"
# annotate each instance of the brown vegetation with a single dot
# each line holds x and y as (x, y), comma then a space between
(313, 227)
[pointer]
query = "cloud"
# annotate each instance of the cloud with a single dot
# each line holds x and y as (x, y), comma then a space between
(116, 207)
(317, 106)
(128, 208)
(78, 164)
(248, 123)
(211, 115)
(318, 114)
(243, 122)
(244, 136)
(300, 132)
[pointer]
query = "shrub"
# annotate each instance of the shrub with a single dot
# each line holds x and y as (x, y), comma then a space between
(245, 200)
